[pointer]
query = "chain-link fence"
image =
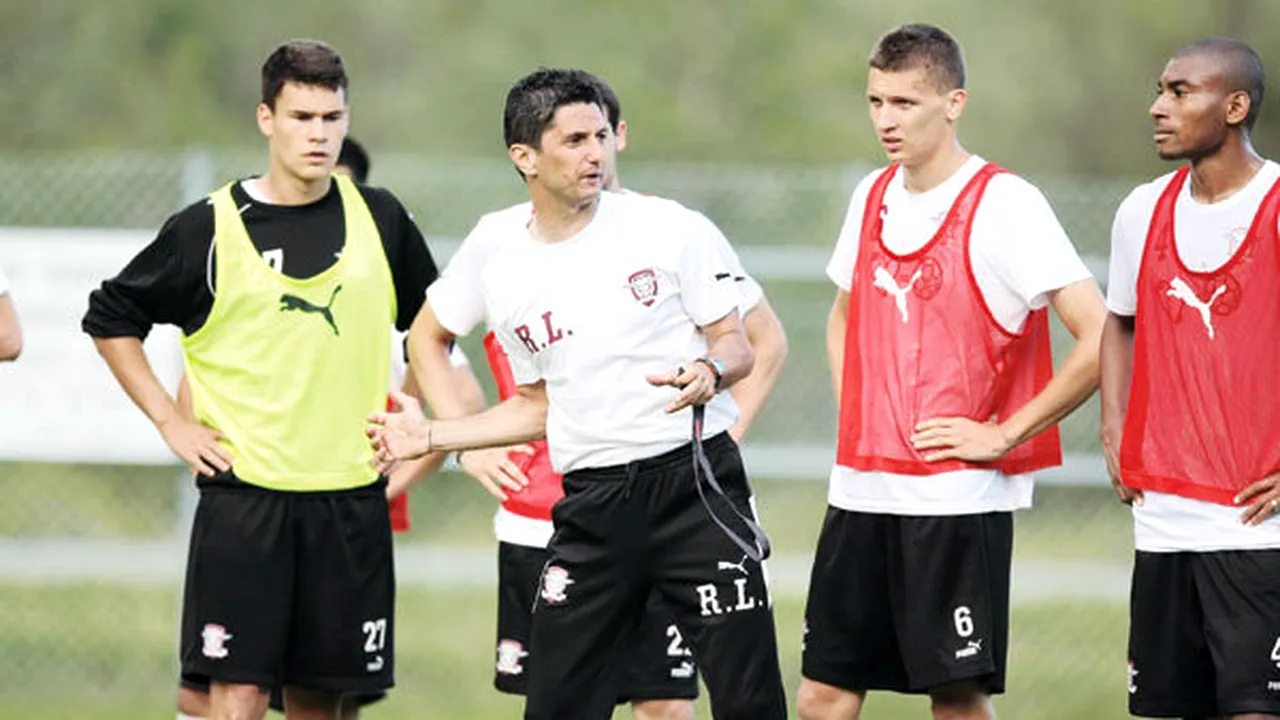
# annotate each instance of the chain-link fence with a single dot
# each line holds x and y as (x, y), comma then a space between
(91, 551)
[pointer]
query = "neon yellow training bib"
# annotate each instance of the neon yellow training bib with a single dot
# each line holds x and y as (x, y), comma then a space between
(287, 370)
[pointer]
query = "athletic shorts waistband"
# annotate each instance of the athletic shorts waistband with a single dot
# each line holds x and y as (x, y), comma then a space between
(228, 482)
(682, 455)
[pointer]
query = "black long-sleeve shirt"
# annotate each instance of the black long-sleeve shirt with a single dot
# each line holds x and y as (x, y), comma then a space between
(172, 280)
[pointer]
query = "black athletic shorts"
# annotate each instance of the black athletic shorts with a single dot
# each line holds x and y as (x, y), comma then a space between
(623, 532)
(1204, 633)
(277, 693)
(290, 588)
(909, 603)
(661, 666)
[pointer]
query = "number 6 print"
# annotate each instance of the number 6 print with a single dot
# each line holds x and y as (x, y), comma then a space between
(964, 621)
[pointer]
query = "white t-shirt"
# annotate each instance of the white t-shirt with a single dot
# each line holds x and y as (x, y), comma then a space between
(593, 315)
(1206, 236)
(1019, 253)
(457, 299)
(4, 282)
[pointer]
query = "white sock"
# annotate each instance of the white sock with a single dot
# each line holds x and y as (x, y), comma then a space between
(184, 716)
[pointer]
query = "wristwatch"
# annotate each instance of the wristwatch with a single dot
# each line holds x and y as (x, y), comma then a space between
(717, 368)
(452, 461)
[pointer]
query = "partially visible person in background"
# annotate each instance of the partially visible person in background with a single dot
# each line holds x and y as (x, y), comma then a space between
(353, 161)
(193, 694)
(10, 327)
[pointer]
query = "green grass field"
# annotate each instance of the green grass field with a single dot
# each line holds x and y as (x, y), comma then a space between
(107, 652)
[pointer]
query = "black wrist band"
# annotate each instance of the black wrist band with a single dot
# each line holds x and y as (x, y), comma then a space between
(717, 368)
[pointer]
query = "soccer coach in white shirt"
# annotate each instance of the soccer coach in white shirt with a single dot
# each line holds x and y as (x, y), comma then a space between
(619, 318)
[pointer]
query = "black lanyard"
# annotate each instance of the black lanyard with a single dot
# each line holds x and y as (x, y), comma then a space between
(757, 550)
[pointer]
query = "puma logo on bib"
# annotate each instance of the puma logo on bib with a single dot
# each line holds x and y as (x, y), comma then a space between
(290, 303)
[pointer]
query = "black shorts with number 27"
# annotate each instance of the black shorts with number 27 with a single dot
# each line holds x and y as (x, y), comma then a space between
(290, 588)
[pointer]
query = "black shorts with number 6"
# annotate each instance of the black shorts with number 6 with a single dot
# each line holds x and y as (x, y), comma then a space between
(909, 603)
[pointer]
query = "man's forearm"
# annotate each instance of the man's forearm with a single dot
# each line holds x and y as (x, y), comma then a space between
(468, 388)
(734, 352)
(409, 472)
(128, 362)
(429, 363)
(769, 342)
(186, 405)
(10, 329)
(1080, 307)
(1116, 360)
(516, 420)
(837, 326)
(1074, 382)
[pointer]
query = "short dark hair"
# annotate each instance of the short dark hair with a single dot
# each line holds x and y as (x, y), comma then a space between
(353, 155)
(611, 105)
(920, 45)
(307, 62)
(1240, 65)
(532, 102)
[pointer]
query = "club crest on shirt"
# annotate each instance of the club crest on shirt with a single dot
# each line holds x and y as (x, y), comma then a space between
(643, 285)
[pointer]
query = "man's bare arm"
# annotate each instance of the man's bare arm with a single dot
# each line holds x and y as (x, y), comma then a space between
(429, 343)
(768, 341)
(407, 473)
(727, 344)
(468, 387)
(837, 326)
(1082, 311)
(521, 418)
(196, 444)
(10, 329)
(127, 361)
(1116, 366)
(185, 404)
(406, 433)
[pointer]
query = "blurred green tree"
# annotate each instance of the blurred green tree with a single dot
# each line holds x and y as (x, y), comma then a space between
(1056, 86)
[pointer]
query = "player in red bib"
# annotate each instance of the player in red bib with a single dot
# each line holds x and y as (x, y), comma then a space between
(1190, 411)
(940, 356)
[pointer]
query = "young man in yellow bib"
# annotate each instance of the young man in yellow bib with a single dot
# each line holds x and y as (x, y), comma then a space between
(285, 287)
